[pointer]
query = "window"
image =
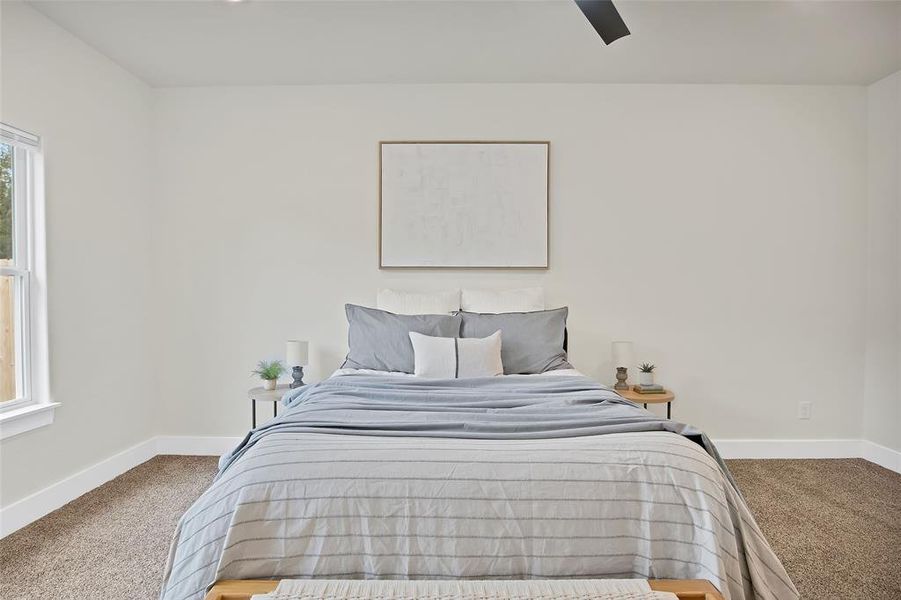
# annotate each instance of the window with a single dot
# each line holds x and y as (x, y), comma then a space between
(14, 275)
(22, 392)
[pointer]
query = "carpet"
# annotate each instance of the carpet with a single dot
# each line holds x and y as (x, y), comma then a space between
(834, 523)
(109, 544)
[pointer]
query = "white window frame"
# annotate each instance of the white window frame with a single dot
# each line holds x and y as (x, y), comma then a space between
(33, 407)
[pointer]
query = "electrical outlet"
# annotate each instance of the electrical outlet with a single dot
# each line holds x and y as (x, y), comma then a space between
(804, 409)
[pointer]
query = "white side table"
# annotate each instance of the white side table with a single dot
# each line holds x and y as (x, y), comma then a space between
(259, 394)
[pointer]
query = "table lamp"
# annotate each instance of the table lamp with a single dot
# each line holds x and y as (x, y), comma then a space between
(622, 358)
(297, 355)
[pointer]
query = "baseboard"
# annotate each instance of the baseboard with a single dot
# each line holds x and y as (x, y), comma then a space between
(882, 456)
(187, 445)
(33, 507)
(840, 448)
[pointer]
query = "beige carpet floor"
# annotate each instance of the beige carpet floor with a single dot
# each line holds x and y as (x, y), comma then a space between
(836, 524)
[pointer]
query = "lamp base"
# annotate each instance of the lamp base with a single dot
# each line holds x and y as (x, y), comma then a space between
(297, 374)
(621, 375)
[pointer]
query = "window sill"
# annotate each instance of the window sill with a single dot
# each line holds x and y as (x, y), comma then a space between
(19, 420)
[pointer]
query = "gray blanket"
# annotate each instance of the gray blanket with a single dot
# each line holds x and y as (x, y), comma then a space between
(495, 408)
(507, 477)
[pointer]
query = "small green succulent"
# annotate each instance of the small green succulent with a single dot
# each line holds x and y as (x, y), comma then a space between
(268, 370)
(647, 368)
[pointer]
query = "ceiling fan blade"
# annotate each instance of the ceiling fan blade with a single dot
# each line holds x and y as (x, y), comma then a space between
(605, 19)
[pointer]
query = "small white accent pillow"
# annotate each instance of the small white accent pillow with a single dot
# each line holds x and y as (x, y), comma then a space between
(503, 301)
(480, 357)
(460, 358)
(418, 303)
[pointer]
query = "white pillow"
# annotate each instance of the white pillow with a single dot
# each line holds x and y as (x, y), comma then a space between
(419, 303)
(503, 301)
(460, 358)
(480, 357)
(434, 357)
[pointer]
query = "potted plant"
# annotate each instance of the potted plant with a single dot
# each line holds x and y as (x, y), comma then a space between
(646, 374)
(269, 371)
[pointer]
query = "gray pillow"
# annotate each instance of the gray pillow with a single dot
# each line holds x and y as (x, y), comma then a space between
(380, 340)
(532, 342)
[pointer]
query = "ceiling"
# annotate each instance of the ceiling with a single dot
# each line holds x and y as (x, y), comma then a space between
(266, 42)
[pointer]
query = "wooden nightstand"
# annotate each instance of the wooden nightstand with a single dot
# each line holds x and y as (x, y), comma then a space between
(259, 394)
(668, 396)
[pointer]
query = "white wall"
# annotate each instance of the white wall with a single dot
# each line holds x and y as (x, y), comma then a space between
(720, 227)
(882, 415)
(191, 231)
(95, 122)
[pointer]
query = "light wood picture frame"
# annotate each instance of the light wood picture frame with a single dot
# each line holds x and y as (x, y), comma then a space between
(464, 204)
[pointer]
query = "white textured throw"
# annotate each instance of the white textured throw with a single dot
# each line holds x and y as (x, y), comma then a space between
(583, 589)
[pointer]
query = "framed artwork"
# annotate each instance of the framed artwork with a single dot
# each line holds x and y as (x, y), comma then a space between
(463, 204)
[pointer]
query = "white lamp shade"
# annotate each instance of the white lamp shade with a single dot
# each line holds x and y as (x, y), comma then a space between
(297, 353)
(622, 354)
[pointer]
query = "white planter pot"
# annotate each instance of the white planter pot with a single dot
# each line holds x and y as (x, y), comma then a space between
(269, 384)
(645, 378)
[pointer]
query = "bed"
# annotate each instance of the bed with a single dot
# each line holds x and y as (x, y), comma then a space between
(374, 476)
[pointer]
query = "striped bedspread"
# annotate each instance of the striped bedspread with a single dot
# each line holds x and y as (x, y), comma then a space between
(295, 502)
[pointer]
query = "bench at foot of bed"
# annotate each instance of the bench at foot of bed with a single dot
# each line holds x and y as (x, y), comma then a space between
(684, 589)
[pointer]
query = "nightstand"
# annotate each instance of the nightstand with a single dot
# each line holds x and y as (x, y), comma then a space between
(668, 396)
(259, 394)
